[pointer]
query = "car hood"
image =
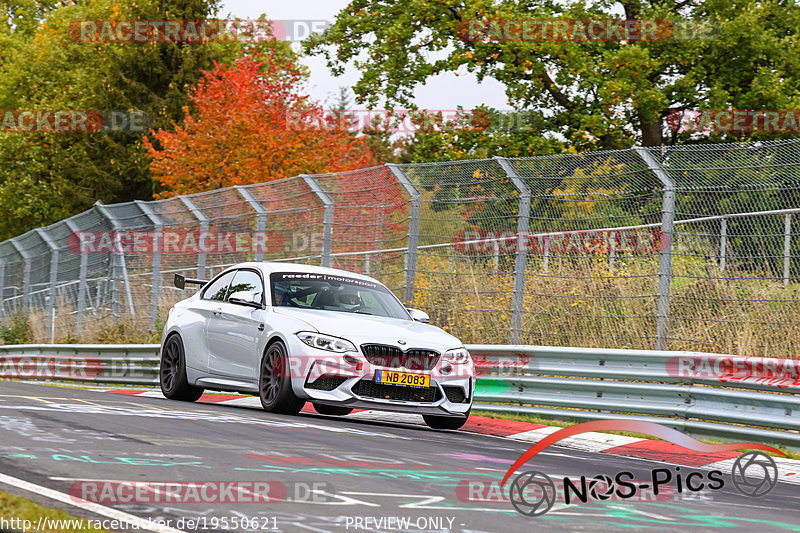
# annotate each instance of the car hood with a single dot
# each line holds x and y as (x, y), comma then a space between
(374, 329)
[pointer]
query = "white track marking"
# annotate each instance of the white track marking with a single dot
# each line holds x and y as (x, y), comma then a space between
(788, 469)
(102, 510)
(588, 442)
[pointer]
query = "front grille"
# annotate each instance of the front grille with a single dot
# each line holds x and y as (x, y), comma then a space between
(393, 357)
(370, 389)
(326, 383)
(455, 394)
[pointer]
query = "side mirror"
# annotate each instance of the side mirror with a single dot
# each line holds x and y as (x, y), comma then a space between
(418, 316)
(248, 298)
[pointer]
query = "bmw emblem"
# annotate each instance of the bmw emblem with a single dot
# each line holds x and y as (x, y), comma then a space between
(401, 342)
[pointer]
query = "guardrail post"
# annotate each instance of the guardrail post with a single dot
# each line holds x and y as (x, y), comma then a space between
(117, 257)
(155, 288)
(521, 259)
(82, 287)
(51, 304)
(787, 247)
(410, 269)
(327, 220)
(668, 232)
(261, 216)
(26, 273)
(203, 219)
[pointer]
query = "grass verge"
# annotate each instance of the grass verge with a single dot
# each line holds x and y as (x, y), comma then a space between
(16, 510)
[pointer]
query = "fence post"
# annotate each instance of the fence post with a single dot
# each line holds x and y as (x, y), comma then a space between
(261, 216)
(410, 274)
(667, 229)
(723, 243)
(26, 273)
(82, 287)
(203, 219)
(521, 259)
(117, 257)
(2, 288)
(612, 251)
(787, 247)
(155, 288)
(327, 220)
(51, 305)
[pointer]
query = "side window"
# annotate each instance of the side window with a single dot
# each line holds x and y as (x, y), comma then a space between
(218, 288)
(247, 280)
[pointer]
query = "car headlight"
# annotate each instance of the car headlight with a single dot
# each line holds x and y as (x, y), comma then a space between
(457, 356)
(326, 342)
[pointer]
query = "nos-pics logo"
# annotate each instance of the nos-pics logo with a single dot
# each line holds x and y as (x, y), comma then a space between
(533, 493)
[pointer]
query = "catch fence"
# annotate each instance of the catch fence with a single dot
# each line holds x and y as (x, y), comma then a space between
(685, 247)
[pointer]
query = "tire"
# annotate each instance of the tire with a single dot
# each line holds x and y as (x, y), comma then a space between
(172, 373)
(445, 422)
(332, 410)
(275, 382)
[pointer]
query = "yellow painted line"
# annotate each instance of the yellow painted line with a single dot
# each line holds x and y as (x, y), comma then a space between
(86, 401)
(40, 399)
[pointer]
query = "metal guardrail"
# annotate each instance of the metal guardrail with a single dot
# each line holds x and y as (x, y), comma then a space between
(123, 364)
(702, 394)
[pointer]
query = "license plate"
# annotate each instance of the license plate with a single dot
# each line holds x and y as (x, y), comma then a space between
(402, 378)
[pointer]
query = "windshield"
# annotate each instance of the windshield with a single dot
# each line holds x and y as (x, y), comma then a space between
(334, 293)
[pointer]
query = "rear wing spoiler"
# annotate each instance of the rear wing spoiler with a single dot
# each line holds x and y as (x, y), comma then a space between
(181, 282)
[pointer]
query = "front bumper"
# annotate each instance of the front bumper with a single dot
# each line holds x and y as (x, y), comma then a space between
(330, 379)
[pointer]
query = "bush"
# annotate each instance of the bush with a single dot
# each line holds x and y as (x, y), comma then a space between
(16, 329)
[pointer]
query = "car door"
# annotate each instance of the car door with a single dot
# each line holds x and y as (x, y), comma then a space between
(234, 330)
(197, 349)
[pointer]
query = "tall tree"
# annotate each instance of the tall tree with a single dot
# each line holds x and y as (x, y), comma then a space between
(596, 94)
(253, 124)
(45, 176)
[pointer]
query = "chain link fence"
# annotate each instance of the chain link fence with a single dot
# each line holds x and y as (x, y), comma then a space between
(684, 248)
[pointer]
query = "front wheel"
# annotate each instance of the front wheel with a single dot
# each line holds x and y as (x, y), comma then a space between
(445, 422)
(172, 373)
(332, 410)
(275, 382)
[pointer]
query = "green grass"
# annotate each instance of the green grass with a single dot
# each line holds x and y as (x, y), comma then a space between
(17, 507)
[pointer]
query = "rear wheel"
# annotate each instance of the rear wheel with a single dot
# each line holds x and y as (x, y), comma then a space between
(172, 373)
(333, 410)
(445, 422)
(275, 382)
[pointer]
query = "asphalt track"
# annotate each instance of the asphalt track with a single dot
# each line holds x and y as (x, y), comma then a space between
(329, 474)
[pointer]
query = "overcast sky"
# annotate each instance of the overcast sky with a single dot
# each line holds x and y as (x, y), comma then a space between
(443, 92)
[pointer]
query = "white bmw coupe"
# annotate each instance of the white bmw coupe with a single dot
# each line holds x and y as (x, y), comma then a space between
(297, 333)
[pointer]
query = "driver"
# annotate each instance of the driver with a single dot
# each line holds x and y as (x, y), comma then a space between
(349, 298)
(281, 295)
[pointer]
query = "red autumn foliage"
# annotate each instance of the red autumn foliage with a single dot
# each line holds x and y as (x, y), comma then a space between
(252, 125)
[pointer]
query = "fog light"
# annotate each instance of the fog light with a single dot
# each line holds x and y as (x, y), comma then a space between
(349, 359)
(446, 369)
